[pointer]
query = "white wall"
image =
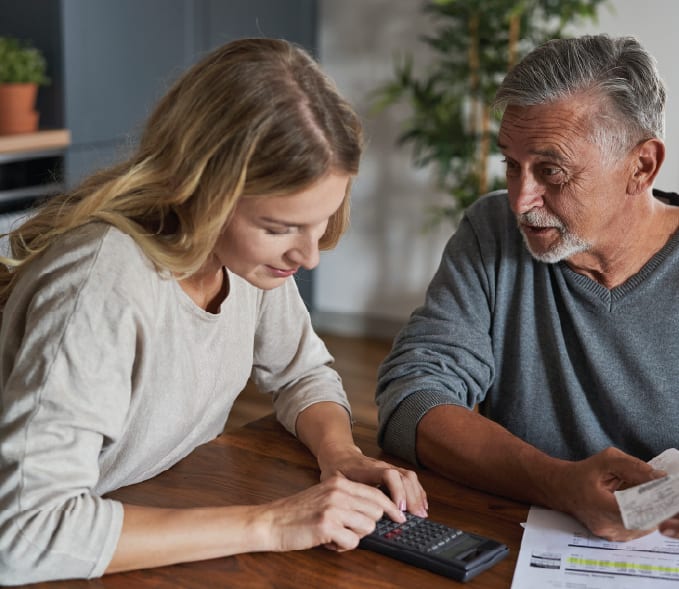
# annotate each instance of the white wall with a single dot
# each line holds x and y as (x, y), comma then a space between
(381, 268)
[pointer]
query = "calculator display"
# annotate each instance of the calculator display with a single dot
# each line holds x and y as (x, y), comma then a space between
(462, 549)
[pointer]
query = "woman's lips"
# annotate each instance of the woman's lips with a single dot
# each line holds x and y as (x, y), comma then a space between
(280, 273)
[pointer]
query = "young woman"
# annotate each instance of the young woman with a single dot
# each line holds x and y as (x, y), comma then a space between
(136, 307)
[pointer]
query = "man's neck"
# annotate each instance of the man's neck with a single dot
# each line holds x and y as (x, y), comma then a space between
(639, 237)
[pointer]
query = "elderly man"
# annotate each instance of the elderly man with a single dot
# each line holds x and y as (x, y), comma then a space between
(555, 309)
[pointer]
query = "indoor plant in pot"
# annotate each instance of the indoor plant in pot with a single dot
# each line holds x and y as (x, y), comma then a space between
(22, 70)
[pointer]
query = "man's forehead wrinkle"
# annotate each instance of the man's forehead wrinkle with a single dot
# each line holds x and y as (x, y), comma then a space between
(552, 137)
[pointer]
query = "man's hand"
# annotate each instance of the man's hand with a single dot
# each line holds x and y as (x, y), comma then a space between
(670, 527)
(585, 490)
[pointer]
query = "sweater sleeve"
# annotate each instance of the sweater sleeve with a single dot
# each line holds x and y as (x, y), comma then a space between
(444, 354)
(290, 360)
(66, 351)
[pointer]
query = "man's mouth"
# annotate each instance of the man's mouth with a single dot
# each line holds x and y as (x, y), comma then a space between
(538, 230)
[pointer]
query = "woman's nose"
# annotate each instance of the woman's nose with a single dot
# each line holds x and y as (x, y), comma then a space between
(306, 252)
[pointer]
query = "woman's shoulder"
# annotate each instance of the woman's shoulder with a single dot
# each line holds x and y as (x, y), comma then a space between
(95, 246)
(94, 238)
(96, 257)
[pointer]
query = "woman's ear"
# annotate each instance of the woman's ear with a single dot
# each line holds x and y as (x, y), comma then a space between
(646, 159)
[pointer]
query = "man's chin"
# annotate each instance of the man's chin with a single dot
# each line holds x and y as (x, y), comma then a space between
(557, 253)
(546, 257)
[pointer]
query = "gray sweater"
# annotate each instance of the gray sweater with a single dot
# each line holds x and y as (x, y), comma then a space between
(110, 374)
(559, 360)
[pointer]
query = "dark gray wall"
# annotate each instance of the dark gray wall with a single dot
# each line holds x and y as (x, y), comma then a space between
(110, 60)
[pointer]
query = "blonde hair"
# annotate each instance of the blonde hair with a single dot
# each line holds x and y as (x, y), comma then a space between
(254, 117)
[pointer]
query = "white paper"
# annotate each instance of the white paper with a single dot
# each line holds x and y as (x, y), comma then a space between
(557, 552)
(667, 461)
(643, 507)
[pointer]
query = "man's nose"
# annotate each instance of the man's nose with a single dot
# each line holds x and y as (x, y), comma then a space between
(525, 193)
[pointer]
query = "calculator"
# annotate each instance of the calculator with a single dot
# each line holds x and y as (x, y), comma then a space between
(435, 547)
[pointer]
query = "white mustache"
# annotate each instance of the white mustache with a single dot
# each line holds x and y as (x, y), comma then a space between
(541, 219)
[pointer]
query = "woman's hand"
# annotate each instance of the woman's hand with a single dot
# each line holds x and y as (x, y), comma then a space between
(326, 430)
(401, 484)
(336, 513)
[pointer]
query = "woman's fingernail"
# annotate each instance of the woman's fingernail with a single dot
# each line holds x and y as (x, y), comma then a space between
(402, 505)
(669, 532)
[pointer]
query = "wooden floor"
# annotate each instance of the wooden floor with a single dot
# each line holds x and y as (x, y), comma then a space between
(356, 361)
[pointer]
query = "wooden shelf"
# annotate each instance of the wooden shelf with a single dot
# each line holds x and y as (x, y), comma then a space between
(27, 143)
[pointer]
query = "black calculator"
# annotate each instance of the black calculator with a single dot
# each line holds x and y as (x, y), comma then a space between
(435, 547)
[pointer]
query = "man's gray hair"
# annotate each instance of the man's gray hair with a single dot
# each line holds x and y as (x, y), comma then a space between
(617, 71)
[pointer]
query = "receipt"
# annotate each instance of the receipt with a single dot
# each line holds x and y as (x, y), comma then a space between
(643, 507)
(667, 461)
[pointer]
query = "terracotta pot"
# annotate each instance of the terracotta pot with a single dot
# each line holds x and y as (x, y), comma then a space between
(17, 108)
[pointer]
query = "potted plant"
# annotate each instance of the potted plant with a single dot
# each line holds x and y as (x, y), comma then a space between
(22, 70)
(474, 43)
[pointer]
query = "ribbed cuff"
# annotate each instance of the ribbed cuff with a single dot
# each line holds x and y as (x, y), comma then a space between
(399, 435)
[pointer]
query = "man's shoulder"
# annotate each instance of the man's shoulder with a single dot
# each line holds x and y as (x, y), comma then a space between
(488, 229)
(671, 198)
(491, 218)
(491, 206)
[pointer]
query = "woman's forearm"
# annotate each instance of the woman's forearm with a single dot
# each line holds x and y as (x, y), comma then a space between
(325, 428)
(154, 537)
(336, 512)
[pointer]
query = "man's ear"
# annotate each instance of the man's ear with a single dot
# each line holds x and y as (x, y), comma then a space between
(646, 159)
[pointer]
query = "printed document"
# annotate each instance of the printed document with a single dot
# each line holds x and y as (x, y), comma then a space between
(559, 552)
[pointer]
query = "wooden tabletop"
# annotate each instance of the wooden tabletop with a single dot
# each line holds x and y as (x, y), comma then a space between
(260, 462)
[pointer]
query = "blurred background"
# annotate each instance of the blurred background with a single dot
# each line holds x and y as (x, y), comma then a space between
(108, 61)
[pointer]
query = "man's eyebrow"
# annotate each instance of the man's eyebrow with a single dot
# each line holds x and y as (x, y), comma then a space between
(551, 154)
(548, 153)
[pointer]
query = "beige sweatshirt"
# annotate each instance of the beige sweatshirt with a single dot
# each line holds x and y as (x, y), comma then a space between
(110, 374)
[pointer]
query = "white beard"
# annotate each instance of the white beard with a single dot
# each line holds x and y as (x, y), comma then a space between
(568, 245)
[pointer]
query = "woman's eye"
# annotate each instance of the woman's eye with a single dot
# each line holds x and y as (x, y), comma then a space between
(279, 230)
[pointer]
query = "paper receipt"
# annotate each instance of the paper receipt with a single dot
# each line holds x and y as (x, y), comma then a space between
(643, 507)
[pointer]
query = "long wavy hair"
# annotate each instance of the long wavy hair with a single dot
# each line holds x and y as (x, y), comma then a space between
(255, 117)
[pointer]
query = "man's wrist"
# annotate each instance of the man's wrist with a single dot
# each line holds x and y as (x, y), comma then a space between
(550, 482)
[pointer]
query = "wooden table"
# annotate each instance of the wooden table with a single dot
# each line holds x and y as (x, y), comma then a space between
(260, 462)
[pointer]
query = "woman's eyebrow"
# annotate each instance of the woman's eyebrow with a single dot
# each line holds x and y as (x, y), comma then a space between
(278, 222)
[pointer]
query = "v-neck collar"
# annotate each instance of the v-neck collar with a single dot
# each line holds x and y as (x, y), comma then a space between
(618, 293)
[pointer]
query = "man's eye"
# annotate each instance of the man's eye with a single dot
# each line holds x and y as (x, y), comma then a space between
(511, 167)
(553, 174)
